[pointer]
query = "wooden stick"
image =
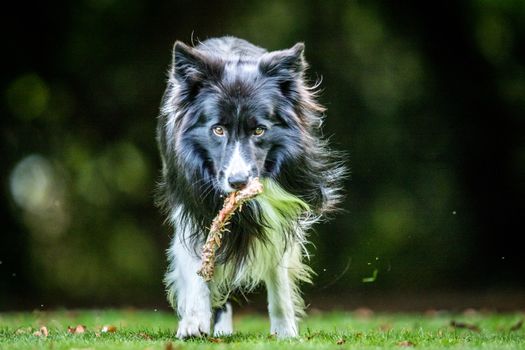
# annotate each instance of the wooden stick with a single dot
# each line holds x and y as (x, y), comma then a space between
(218, 226)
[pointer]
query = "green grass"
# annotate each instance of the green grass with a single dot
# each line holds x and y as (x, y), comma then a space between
(336, 330)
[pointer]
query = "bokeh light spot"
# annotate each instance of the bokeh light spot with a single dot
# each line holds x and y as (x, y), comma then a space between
(28, 97)
(32, 183)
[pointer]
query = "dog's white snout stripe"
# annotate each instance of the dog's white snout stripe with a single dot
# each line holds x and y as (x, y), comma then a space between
(236, 166)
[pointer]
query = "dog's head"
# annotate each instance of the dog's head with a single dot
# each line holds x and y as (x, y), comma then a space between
(236, 118)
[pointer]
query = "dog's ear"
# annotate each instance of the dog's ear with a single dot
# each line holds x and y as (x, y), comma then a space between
(289, 61)
(190, 68)
(187, 62)
(287, 67)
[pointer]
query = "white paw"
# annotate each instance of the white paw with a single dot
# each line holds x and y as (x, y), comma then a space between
(193, 326)
(223, 321)
(283, 328)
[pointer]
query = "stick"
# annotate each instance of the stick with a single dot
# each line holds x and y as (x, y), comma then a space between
(218, 226)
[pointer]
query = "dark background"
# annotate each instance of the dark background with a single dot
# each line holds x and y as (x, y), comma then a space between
(427, 100)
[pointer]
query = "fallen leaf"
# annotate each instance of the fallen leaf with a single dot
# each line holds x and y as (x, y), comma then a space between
(145, 336)
(41, 332)
(109, 329)
(340, 341)
(215, 340)
(76, 330)
(516, 326)
(464, 325)
(405, 343)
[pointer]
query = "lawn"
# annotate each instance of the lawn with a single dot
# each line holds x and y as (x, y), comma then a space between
(362, 329)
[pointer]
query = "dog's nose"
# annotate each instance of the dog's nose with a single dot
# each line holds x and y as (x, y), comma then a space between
(238, 181)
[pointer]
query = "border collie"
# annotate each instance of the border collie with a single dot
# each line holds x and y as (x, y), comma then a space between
(232, 111)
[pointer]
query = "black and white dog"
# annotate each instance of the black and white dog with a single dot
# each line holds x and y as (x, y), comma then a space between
(232, 111)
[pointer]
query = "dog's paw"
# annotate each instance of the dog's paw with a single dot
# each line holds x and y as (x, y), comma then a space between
(193, 326)
(282, 328)
(223, 321)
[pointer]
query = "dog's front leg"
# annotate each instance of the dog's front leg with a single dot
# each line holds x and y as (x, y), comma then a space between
(280, 303)
(191, 293)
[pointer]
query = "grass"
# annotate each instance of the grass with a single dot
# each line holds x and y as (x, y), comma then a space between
(336, 330)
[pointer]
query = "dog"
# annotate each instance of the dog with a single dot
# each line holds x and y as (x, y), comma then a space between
(233, 111)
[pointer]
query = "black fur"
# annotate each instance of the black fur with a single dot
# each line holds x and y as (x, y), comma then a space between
(230, 82)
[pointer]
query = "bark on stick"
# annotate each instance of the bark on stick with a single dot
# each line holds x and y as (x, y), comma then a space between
(218, 226)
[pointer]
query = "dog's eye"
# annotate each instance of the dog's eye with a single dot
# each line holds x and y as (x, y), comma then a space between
(259, 131)
(218, 130)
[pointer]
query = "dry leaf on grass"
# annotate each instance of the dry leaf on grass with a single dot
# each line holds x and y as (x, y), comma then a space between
(406, 343)
(79, 329)
(42, 332)
(145, 336)
(215, 340)
(109, 329)
(340, 341)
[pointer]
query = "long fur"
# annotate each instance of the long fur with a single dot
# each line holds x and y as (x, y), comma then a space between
(228, 78)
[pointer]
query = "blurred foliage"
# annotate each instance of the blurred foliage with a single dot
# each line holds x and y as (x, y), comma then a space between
(429, 106)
